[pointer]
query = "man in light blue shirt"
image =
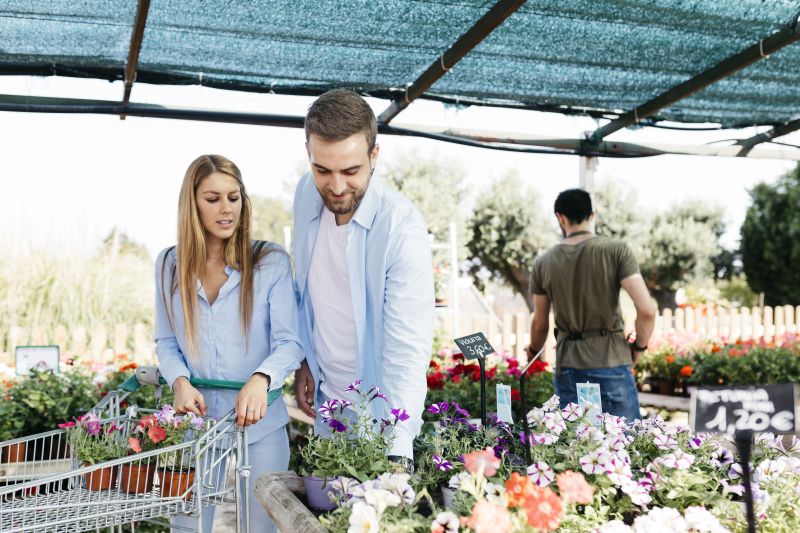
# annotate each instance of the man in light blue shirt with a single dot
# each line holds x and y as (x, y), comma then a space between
(364, 272)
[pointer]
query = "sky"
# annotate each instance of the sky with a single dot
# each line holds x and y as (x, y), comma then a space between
(67, 180)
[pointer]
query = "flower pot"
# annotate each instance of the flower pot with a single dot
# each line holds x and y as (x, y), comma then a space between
(137, 478)
(447, 497)
(101, 479)
(665, 387)
(176, 483)
(14, 453)
(317, 490)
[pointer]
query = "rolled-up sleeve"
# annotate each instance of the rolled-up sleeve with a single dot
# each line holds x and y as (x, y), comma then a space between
(171, 361)
(284, 339)
(408, 328)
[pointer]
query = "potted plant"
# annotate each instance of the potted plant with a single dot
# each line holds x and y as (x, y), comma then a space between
(357, 447)
(159, 431)
(93, 442)
(12, 420)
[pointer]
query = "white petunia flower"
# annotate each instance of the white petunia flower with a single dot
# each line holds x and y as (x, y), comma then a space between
(540, 473)
(615, 526)
(701, 520)
(678, 460)
(660, 520)
(380, 499)
(595, 462)
(363, 519)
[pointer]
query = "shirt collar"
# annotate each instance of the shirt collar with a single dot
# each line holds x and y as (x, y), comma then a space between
(365, 214)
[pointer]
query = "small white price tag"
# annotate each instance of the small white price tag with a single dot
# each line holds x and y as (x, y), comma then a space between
(589, 398)
(504, 403)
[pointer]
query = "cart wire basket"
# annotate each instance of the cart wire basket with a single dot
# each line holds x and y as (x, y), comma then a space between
(47, 489)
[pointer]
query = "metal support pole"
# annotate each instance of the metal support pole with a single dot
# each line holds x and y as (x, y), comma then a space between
(524, 415)
(587, 170)
(454, 274)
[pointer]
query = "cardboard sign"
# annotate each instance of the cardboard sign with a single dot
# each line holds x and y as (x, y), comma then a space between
(504, 403)
(750, 408)
(589, 397)
(474, 346)
(40, 357)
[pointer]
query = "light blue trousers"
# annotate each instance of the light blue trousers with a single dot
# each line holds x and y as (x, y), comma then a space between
(270, 454)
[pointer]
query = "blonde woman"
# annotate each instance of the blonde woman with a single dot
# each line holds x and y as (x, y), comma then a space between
(226, 309)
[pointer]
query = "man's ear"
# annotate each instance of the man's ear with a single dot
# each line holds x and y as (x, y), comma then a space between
(373, 155)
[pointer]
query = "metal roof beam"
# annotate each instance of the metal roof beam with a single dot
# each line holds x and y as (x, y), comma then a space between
(139, 22)
(762, 49)
(477, 33)
(778, 131)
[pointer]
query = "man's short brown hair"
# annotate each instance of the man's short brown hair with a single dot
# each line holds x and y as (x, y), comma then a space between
(339, 114)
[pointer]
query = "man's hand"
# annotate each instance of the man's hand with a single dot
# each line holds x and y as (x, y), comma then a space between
(251, 402)
(636, 351)
(304, 389)
(187, 398)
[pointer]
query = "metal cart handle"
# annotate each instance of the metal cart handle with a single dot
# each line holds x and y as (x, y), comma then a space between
(149, 375)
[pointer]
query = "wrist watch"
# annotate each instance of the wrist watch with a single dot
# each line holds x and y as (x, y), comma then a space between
(637, 348)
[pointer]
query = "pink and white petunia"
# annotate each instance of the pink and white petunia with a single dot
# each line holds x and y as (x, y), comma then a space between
(595, 462)
(679, 460)
(540, 474)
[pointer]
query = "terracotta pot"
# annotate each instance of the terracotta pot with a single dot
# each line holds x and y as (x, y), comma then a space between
(317, 490)
(136, 478)
(101, 479)
(14, 453)
(174, 484)
(665, 387)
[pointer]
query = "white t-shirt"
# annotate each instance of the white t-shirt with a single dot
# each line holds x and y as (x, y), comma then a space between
(334, 331)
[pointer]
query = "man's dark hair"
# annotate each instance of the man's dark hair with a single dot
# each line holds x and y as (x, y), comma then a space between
(575, 204)
(339, 114)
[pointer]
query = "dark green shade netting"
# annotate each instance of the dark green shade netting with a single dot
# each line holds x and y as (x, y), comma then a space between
(565, 55)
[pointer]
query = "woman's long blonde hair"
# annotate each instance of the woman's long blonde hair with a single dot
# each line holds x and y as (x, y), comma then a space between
(192, 254)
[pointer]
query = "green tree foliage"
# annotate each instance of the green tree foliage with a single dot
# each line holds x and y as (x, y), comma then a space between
(270, 215)
(770, 241)
(506, 231)
(435, 186)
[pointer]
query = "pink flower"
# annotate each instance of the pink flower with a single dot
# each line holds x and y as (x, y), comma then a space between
(156, 434)
(544, 509)
(488, 517)
(574, 487)
(66, 425)
(483, 461)
(135, 445)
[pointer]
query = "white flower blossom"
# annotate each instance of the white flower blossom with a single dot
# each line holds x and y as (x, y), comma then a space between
(540, 473)
(595, 462)
(363, 519)
(615, 526)
(660, 520)
(448, 521)
(679, 460)
(701, 520)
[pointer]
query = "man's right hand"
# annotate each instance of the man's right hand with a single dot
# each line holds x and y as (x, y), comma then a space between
(187, 398)
(304, 389)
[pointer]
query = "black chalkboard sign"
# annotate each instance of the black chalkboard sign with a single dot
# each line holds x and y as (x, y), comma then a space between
(744, 409)
(474, 346)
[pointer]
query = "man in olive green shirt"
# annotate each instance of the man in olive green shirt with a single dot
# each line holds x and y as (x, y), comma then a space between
(581, 278)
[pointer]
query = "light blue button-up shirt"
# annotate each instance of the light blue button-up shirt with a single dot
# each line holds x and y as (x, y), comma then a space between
(391, 280)
(272, 346)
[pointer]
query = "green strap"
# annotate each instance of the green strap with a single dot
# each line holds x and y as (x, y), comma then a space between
(132, 385)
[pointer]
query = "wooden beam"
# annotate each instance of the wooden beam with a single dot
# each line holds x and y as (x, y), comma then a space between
(139, 23)
(286, 510)
(760, 50)
(778, 131)
(477, 33)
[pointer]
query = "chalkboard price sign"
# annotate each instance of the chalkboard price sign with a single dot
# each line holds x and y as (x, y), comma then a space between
(745, 409)
(474, 346)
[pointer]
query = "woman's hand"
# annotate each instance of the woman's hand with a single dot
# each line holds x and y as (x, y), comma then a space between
(187, 398)
(251, 403)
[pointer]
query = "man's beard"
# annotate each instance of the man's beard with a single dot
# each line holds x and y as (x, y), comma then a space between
(345, 206)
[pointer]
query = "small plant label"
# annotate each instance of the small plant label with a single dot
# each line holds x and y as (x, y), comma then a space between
(474, 346)
(750, 408)
(504, 403)
(589, 398)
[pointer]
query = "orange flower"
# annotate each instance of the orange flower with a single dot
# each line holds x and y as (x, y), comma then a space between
(686, 371)
(715, 348)
(517, 487)
(483, 461)
(135, 445)
(733, 352)
(129, 366)
(488, 517)
(670, 359)
(574, 487)
(543, 509)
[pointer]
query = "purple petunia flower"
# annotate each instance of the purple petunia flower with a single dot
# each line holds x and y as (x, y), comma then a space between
(400, 415)
(438, 408)
(328, 409)
(460, 410)
(337, 426)
(353, 387)
(442, 463)
(93, 428)
(376, 393)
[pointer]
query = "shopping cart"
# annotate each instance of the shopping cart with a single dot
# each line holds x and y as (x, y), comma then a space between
(42, 493)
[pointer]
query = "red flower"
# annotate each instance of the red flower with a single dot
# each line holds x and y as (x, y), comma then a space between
(436, 380)
(458, 356)
(134, 445)
(537, 367)
(687, 371)
(456, 379)
(156, 434)
(66, 425)
(490, 374)
(515, 396)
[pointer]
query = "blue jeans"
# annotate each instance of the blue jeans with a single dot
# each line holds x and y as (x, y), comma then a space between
(617, 389)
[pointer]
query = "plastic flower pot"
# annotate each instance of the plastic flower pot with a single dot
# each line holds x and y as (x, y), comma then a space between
(176, 483)
(137, 478)
(100, 479)
(447, 497)
(14, 453)
(317, 490)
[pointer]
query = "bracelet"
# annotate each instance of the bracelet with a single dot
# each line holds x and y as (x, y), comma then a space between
(637, 348)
